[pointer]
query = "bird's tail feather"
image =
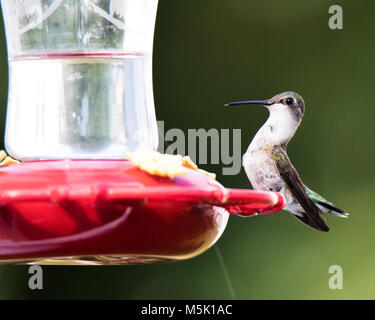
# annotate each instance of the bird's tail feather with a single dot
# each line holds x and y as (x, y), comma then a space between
(328, 207)
(324, 205)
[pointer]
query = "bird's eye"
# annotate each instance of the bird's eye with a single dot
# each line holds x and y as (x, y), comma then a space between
(289, 101)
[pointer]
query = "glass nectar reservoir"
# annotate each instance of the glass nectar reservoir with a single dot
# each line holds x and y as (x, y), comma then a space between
(80, 78)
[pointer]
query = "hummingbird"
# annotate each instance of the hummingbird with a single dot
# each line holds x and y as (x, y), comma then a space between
(269, 168)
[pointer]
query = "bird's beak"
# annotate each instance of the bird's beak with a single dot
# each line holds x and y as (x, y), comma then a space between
(261, 102)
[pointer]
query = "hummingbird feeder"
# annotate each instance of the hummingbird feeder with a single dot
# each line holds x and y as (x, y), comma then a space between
(80, 98)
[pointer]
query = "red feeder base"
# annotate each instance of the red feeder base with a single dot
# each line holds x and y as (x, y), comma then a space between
(110, 212)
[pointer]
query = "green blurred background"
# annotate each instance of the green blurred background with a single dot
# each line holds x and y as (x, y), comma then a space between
(208, 52)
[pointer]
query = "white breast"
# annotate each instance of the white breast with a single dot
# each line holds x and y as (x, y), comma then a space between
(261, 170)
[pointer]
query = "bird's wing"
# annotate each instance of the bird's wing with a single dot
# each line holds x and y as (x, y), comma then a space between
(325, 205)
(312, 215)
